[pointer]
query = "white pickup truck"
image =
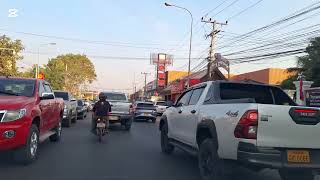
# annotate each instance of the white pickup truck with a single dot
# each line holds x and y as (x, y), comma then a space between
(121, 109)
(254, 125)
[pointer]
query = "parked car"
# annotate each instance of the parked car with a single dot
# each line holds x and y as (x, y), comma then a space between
(121, 109)
(70, 107)
(161, 107)
(81, 109)
(257, 126)
(29, 113)
(145, 111)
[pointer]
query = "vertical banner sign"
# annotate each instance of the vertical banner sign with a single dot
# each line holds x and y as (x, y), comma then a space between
(161, 60)
(301, 89)
(313, 97)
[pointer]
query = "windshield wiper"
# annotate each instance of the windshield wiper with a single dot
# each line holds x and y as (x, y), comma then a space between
(9, 93)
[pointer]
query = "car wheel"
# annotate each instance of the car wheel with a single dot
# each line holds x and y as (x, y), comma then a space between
(296, 174)
(166, 147)
(68, 121)
(153, 120)
(57, 136)
(75, 118)
(29, 152)
(210, 165)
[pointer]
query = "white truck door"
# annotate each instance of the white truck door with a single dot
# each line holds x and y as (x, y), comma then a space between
(191, 117)
(177, 115)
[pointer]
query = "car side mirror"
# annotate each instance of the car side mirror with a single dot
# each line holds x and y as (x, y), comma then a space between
(45, 96)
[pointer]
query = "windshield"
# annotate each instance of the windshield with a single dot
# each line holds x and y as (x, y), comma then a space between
(145, 105)
(63, 95)
(161, 103)
(17, 87)
(115, 97)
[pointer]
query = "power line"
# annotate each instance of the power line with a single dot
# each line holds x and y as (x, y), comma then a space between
(244, 10)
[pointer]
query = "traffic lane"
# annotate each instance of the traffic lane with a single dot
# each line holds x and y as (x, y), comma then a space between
(122, 155)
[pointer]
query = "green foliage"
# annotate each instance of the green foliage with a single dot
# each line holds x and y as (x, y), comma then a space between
(69, 72)
(9, 51)
(288, 83)
(308, 65)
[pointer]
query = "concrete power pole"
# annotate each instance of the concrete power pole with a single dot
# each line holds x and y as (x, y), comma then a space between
(145, 84)
(213, 35)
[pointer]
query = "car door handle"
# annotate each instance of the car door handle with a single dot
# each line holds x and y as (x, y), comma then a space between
(193, 111)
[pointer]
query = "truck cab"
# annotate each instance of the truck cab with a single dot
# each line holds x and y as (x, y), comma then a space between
(29, 113)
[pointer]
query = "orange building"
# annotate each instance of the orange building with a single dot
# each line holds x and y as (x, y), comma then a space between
(174, 75)
(273, 76)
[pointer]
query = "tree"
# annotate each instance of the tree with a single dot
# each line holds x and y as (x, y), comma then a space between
(308, 65)
(9, 50)
(70, 72)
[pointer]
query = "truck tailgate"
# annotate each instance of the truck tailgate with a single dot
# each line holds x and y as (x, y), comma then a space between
(120, 107)
(288, 126)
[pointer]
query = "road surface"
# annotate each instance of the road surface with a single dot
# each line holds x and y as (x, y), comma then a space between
(122, 156)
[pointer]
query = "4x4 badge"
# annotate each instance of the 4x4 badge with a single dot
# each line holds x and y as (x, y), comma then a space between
(232, 114)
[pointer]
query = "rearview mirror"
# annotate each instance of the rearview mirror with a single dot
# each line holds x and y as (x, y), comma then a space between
(45, 96)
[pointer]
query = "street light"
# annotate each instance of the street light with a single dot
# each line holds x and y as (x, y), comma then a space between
(190, 44)
(41, 45)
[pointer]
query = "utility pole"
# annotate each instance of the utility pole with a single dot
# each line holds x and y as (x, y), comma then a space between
(145, 84)
(213, 35)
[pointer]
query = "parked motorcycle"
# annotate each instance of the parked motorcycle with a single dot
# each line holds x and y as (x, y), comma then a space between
(101, 128)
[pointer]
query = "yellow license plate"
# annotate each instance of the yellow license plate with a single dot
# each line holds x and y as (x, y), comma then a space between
(298, 156)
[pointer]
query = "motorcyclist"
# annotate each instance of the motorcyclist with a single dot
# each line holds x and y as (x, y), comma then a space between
(101, 110)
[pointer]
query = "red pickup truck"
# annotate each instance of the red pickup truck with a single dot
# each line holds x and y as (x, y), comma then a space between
(29, 114)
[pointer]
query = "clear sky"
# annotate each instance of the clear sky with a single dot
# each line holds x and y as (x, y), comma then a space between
(137, 28)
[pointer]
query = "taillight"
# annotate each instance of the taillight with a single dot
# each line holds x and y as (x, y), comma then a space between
(247, 126)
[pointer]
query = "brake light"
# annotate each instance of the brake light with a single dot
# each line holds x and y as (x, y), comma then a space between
(305, 111)
(247, 126)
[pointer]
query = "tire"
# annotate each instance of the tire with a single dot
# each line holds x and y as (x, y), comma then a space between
(75, 118)
(100, 134)
(166, 147)
(29, 152)
(211, 167)
(57, 136)
(127, 127)
(296, 174)
(68, 122)
(153, 120)
(83, 116)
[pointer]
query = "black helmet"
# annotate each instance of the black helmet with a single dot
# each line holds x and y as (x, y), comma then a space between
(102, 96)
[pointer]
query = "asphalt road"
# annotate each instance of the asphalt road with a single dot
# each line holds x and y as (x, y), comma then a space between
(122, 156)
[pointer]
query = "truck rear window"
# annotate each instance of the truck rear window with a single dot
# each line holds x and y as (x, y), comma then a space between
(115, 97)
(260, 94)
(17, 87)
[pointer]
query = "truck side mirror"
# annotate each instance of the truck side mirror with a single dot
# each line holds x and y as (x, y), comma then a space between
(45, 96)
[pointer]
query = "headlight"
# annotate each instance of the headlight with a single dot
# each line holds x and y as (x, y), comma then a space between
(12, 115)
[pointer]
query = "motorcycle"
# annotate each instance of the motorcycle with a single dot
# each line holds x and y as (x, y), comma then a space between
(101, 128)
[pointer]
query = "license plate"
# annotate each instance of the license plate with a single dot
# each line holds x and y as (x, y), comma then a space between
(113, 118)
(146, 114)
(298, 156)
(101, 125)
